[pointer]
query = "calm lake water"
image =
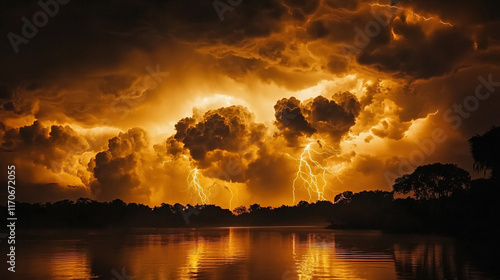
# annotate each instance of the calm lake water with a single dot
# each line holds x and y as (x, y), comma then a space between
(288, 253)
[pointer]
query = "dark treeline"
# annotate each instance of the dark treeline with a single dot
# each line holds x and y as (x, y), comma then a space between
(473, 211)
(439, 198)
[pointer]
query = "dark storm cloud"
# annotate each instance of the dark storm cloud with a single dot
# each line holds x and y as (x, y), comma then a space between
(337, 64)
(337, 26)
(348, 102)
(116, 170)
(43, 156)
(465, 11)
(460, 106)
(418, 54)
(89, 42)
(12, 104)
(134, 140)
(41, 145)
(227, 144)
(229, 129)
(82, 36)
(93, 51)
(200, 22)
(96, 36)
(330, 117)
(422, 49)
(270, 174)
(290, 119)
(174, 147)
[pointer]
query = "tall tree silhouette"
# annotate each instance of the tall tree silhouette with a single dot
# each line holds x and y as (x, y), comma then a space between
(344, 197)
(433, 181)
(485, 150)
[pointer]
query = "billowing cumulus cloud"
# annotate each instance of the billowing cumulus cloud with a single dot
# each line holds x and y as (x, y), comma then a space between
(231, 129)
(49, 147)
(321, 115)
(116, 169)
(290, 119)
(51, 159)
(332, 118)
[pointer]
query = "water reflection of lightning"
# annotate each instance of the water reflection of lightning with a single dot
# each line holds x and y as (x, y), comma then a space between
(194, 185)
(311, 172)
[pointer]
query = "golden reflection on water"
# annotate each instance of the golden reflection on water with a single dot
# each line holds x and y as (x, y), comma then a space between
(73, 264)
(61, 260)
(318, 257)
(206, 253)
(292, 253)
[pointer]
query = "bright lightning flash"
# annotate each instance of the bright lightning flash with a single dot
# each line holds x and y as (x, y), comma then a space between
(232, 195)
(225, 187)
(411, 13)
(195, 186)
(311, 173)
(433, 114)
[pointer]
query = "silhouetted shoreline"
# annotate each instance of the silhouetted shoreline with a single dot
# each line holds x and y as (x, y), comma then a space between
(471, 212)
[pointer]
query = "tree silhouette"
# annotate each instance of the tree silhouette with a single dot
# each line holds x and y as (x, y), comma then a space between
(254, 207)
(344, 197)
(433, 181)
(485, 150)
(240, 210)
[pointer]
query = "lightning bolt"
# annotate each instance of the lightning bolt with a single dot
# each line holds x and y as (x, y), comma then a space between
(232, 196)
(311, 172)
(225, 187)
(412, 13)
(433, 114)
(195, 186)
